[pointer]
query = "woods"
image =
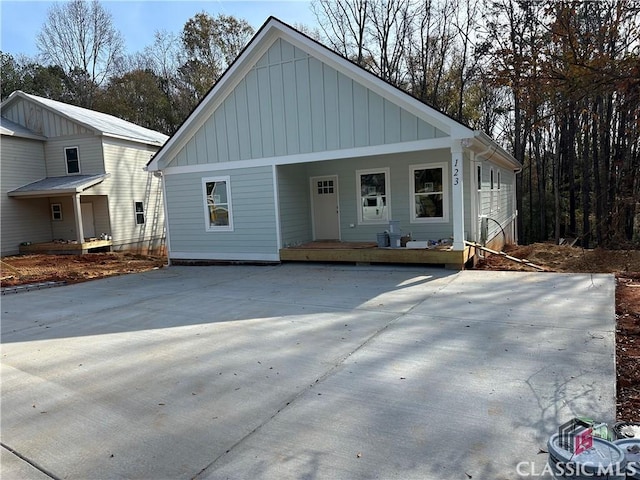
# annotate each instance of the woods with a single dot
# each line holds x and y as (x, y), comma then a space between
(557, 83)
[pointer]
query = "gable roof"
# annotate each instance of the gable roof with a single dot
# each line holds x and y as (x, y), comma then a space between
(270, 31)
(99, 122)
(9, 128)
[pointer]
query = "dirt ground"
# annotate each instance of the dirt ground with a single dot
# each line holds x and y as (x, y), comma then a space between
(26, 269)
(625, 264)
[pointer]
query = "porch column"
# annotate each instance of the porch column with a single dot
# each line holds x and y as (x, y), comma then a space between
(77, 212)
(457, 195)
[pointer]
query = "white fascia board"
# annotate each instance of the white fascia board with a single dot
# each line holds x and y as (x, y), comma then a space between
(487, 149)
(232, 257)
(236, 72)
(132, 139)
(418, 145)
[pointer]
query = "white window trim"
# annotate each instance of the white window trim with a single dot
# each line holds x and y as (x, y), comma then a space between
(136, 213)
(445, 193)
(387, 191)
(59, 205)
(66, 162)
(207, 223)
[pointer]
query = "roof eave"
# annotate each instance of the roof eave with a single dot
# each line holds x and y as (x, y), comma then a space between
(485, 146)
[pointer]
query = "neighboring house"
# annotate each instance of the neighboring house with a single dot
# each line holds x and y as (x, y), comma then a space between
(73, 179)
(295, 144)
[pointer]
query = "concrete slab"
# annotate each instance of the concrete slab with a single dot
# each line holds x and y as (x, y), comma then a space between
(303, 371)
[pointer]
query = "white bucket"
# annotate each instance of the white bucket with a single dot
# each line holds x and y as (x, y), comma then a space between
(604, 461)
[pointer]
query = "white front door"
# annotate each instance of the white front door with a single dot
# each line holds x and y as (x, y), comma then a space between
(324, 202)
(88, 227)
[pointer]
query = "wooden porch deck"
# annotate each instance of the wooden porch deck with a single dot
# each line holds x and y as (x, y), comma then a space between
(367, 252)
(68, 248)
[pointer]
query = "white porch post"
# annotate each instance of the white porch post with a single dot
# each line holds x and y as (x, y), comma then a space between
(77, 211)
(457, 195)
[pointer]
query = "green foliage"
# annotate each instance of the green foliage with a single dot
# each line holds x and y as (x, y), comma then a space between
(210, 44)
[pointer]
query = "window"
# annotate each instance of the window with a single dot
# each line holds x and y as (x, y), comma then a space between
(373, 196)
(479, 176)
(429, 193)
(499, 180)
(325, 187)
(491, 179)
(72, 159)
(56, 212)
(139, 212)
(217, 203)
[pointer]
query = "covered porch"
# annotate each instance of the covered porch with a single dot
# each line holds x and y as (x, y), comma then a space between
(369, 252)
(71, 220)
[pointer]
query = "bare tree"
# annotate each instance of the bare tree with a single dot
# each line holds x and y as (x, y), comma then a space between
(79, 35)
(344, 25)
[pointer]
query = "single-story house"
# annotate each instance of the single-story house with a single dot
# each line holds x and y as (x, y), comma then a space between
(296, 144)
(73, 180)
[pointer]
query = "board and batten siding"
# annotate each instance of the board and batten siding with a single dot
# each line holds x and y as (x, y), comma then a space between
(295, 207)
(22, 163)
(89, 154)
(291, 103)
(128, 183)
(254, 218)
(42, 121)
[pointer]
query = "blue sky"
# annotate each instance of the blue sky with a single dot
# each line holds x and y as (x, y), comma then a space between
(137, 20)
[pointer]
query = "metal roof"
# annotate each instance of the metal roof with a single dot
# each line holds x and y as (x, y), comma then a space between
(7, 127)
(98, 121)
(51, 186)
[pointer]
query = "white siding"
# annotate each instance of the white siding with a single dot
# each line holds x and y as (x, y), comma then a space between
(126, 184)
(291, 103)
(254, 220)
(89, 154)
(42, 121)
(22, 220)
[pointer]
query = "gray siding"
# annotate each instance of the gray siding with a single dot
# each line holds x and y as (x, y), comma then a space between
(291, 103)
(399, 196)
(295, 207)
(41, 120)
(253, 206)
(22, 220)
(497, 204)
(89, 153)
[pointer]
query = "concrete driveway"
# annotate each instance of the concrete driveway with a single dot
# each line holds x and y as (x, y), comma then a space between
(302, 371)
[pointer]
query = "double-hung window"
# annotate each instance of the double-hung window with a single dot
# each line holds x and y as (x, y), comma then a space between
(373, 196)
(56, 212)
(429, 193)
(217, 204)
(139, 212)
(72, 160)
